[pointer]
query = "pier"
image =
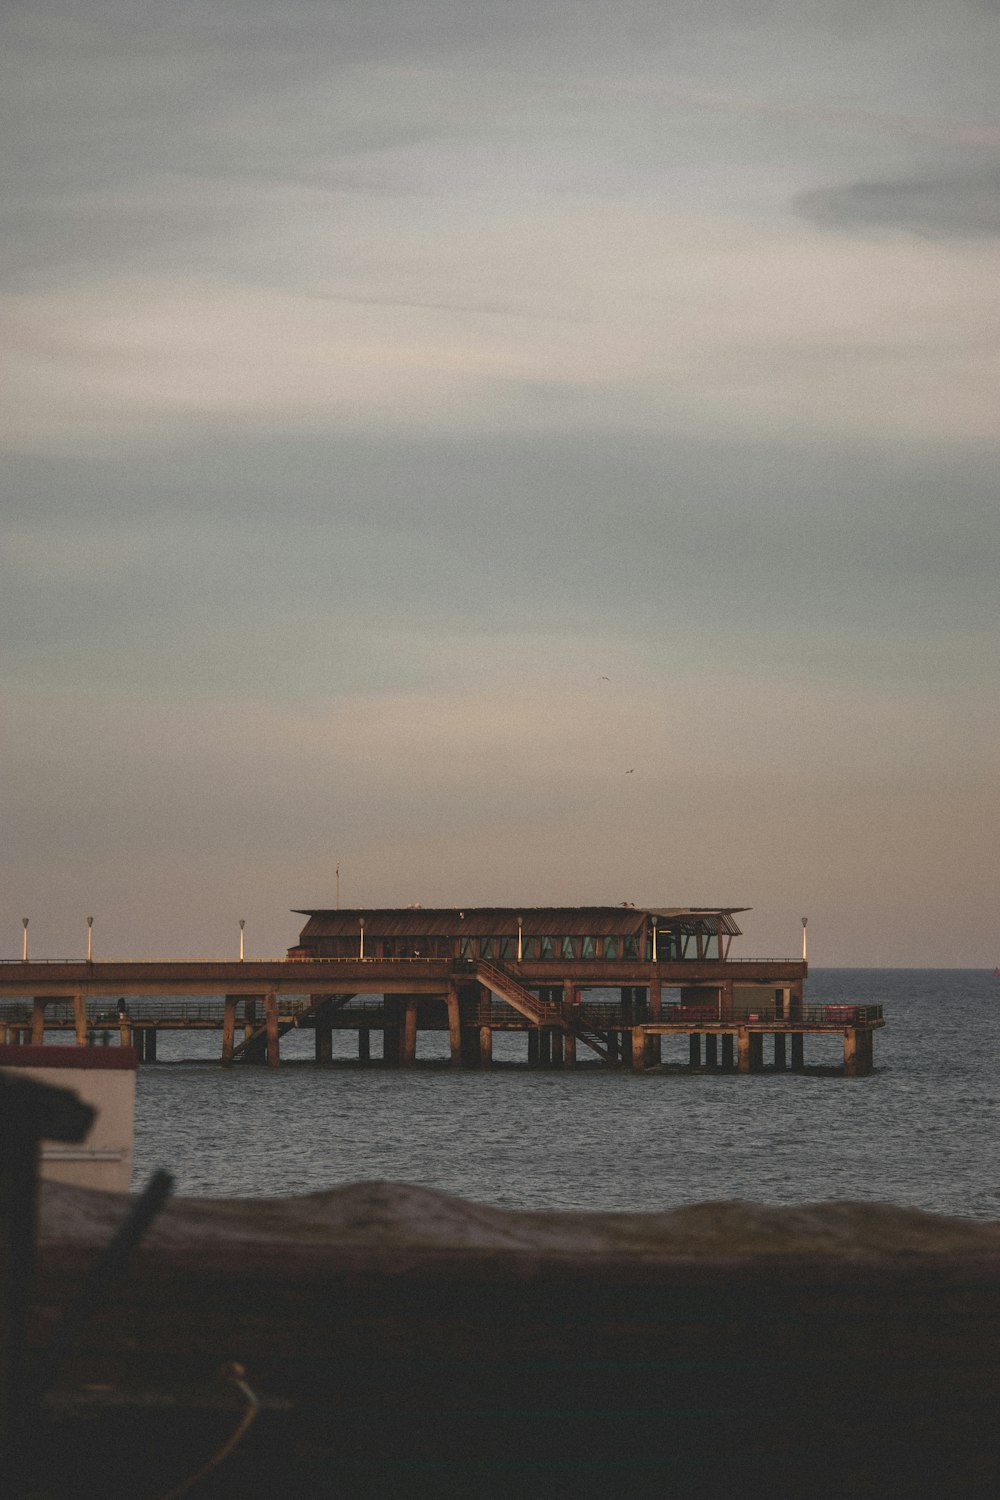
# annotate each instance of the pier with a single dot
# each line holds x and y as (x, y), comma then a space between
(603, 985)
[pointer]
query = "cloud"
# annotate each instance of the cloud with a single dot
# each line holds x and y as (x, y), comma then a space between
(958, 204)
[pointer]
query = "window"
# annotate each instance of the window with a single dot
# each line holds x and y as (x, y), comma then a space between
(506, 947)
(485, 947)
(589, 948)
(566, 949)
(465, 948)
(610, 947)
(545, 948)
(527, 948)
(631, 948)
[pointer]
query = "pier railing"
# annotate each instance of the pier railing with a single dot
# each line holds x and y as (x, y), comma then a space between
(595, 1016)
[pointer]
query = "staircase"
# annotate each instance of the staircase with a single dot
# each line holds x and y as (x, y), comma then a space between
(259, 1031)
(538, 1012)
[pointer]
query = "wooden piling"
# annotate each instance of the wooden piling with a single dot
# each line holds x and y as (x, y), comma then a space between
(638, 1050)
(486, 1046)
(728, 1050)
(780, 1060)
(454, 1027)
(364, 1044)
(798, 1051)
(569, 1050)
(743, 1049)
(533, 1047)
(557, 1048)
(80, 1019)
(756, 1051)
(37, 1021)
(544, 1047)
(711, 1050)
(271, 1022)
(408, 1038)
(151, 1038)
(323, 1033)
(228, 1029)
(694, 1049)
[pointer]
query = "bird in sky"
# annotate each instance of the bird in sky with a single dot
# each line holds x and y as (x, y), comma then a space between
(630, 771)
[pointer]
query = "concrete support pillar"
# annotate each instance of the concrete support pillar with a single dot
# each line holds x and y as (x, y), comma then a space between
(544, 1047)
(711, 1050)
(37, 1021)
(249, 1016)
(858, 1052)
(727, 1052)
(80, 1019)
(780, 1061)
(364, 1044)
(124, 1028)
(151, 1036)
(228, 1030)
(323, 1035)
(408, 1039)
(486, 1046)
(798, 1051)
(694, 1049)
(557, 1049)
(533, 1047)
(569, 1050)
(638, 1050)
(271, 1022)
(743, 1047)
(756, 1051)
(654, 1047)
(454, 1028)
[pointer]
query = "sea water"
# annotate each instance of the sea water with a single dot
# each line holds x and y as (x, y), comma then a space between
(920, 1131)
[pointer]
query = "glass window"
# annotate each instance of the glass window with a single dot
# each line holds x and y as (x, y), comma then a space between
(485, 947)
(465, 948)
(631, 948)
(566, 949)
(589, 948)
(610, 947)
(546, 948)
(527, 948)
(506, 947)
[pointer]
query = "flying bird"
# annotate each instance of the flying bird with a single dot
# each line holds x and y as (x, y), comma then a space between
(630, 770)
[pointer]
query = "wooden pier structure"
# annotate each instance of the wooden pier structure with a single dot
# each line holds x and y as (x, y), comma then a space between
(603, 984)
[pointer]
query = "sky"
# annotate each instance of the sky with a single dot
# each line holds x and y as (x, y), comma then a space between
(522, 453)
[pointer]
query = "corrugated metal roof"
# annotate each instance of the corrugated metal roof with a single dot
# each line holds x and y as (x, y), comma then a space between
(490, 921)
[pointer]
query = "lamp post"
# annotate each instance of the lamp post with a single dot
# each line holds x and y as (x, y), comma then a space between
(242, 925)
(654, 940)
(90, 940)
(361, 925)
(520, 945)
(804, 921)
(25, 953)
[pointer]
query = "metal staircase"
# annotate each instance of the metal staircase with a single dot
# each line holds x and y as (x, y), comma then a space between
(539, 1012)
(255, 1037)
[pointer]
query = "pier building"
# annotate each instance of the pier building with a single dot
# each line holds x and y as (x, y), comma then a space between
(600, 984)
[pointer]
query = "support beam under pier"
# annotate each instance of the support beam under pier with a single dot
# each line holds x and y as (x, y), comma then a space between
(780, 1060)
(272, 1032)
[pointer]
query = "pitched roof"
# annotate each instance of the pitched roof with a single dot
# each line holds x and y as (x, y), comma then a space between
(494, 921)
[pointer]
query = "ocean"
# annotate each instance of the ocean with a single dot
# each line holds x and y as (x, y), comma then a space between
(921, 1131)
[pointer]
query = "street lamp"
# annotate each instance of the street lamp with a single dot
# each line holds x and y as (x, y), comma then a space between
(654, 941)
(25, 954)
(520, 949)
(804, 921)
(242, 925)
(90, 939)
(361, 924)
